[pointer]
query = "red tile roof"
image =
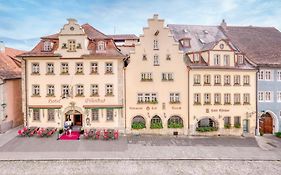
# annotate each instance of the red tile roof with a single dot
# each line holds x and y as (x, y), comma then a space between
(9, 64)
(124, 37)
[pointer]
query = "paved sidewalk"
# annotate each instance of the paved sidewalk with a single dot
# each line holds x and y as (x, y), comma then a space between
(9, 135)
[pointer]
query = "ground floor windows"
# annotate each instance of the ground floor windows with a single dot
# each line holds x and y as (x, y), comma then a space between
(109, 114)
(51, 114)
(206, 125)
(36, 114)
(237, 122)
(156, 122)
(227, 123)
(95, 114)
(138, 122)
(175, 122)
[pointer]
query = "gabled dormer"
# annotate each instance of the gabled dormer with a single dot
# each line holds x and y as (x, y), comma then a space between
(73, 41)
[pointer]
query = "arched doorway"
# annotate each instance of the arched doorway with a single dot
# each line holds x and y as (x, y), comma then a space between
(138, 122)
(156, 122)
(175, 122)
(75, 116)
(266, 123)
(207, 124)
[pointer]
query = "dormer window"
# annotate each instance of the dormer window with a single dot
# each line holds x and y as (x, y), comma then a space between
(101, 46)
(71, 45)
(196, 58)
(240, 59)
(217, 59)
(48, 46)
(155, 45)
(185, 42)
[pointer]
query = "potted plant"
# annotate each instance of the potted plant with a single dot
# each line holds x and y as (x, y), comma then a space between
(206, 129)
(138, 125)
(156, 125)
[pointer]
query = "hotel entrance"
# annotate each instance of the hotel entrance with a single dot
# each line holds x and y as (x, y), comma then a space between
(75, 117)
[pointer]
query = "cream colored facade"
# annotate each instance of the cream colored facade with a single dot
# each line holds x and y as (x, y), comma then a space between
(155, 54)
(102, 109)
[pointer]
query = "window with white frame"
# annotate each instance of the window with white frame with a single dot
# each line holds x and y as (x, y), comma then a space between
(207, 98)
(155, 44)
(108, 67)
(109, 114)
(197, 98)
(140, 97)
(71, 45)
(35, 90)
(94, 68)
(64, 68)
(94, 90)
(246, 98)
(196, 58)
(240, 59)
(79, 90)
(217, 98)
(226, 60)
(207, 79)
(50, 68)
(79, 68)
(174, 97)
(51, 114)
(36, 114)
(167, 76)
(95, 114)
(268, 96)
(197, 79)
(261, 75)
(146, 76)
(65, 91)
(236, 98)
(261, 96)
(47, 46)
(278, 75)
(278, 96)
(147, 98)
(227, 98)
(101, 46)
(35, 68)
(268, 75)
(217, 79)
(246, 80)
(51, 90)
(236, 80)
(217, 58)
(227, 80)
(109, 89)
(156, 60)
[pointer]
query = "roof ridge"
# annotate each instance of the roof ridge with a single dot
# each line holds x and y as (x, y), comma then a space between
(94, 29)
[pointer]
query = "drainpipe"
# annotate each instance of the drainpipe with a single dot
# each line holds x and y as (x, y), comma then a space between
(25, 84)
(188, 106)
(125, 101)
(257, 121)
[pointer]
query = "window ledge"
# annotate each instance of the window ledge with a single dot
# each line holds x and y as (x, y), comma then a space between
(109, 95)
(236, 85)
(206, 104)
(237, 104)
(167, 80)
(146, 80)
(196, 84)
(108, 73)
(246, 85)
(50, 96)
(35, 73)
(79, 95)
(175, 102)
(64, 73)
(197, 104)
(94, 73)
(227, 104)
(95, 95)
(35, 96)
(246, 104)
(207, 84)
(217, 103)
(147, 102)
(79, 73)
(227, 84)
(50, 73)
(217, 84)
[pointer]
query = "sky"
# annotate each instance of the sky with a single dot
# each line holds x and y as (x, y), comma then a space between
(23, 22)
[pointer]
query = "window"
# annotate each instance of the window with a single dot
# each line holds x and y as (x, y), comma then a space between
(236, 99)
(140, 98)
(50, 90)
(175, 120)
(147, 76)
(197, 99)
(167, 77)
(227, 99)
(79, 68)
(227, 122)
(185, 42)
(217, 79)
(95, 114)
(216, 59)
(101, 46)
(153, 97)
(261, 75)
(36, 114)
(246, 80)
(268, 75)
(51, 114)
(94, 90)
(237, 122)
(35, 90)
(65, 91)
(109, 114)
(155, 44)
(156, 120)
(278, 96)
(94, 68)
(227, 80)
(109, 68)
(156, 60)
(79, 90)
(174, 97)
(197, 79)
(64, 68)
(279, 75)
(206, 122)
(207, 98)
(50, 68)
(217, 98)
(168, 58)
(196, 58)
(147, 98)
(260, 96)
(144, 58)
(35, 68)
(47, 46)
(226, 60)
(240, 59)
(236, 80)
(268, 96)
(71, 45)
(109, 90)
(207, 79)
(246, 98)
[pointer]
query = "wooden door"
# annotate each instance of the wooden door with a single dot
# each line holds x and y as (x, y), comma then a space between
(266, 124)
(78, 120)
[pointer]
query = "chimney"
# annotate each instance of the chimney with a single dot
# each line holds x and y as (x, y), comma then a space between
(2, 47)
(155, 16)
(223, 24)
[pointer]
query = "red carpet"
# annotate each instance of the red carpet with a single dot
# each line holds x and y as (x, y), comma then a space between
(74, 136)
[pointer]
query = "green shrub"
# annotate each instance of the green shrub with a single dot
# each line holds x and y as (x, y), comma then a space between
(175, 125)
(206, 129)
(237, 125)
(157, 125)
(138, 125)
(278, 134)
(227, 126)
(60, 131)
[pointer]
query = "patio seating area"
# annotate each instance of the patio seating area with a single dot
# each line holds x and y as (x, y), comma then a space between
(40, 132)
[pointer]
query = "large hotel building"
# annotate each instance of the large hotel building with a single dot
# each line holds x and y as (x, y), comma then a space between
(174, 79)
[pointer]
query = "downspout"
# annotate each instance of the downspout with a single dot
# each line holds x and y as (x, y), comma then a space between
(125, 101)
(188, 111)
(257, 121)
(25, 84)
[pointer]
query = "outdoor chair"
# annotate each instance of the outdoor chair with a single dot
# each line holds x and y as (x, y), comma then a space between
(32, 131)
(97, 134)
(51, 131)
(105, 135)
(111, 133)
(116, 134)
(86, 134)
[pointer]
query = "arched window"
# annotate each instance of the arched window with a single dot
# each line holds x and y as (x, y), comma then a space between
(206, 125)
(156, 122)
(138, 122)
(175, 122)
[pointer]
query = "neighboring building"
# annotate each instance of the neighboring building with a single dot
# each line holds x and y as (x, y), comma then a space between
(156, 83)
(76, 74)
(125, 42)
(222, 82)
(263, 46)
(10, 88)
